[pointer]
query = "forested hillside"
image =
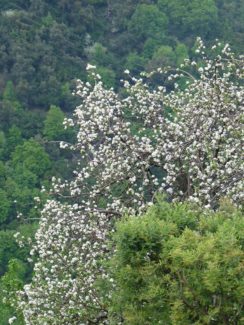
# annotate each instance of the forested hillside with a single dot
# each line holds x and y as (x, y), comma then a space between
(45, 47)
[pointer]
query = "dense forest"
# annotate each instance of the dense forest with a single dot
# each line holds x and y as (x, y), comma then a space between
(45, 47)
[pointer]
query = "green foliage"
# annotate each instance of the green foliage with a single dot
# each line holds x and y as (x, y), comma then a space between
(108, 76)
(93, 2)
(2, 174)
(14, 270)
(10, 107)
(9, 92)
(12, 281)
(53, 124)
(48, 20)
(135, 63)
(13, 138)
(30, 156)
(2, 143)
(150, 47)
(9, 248)
(22, 177)
(46, 44)
(4, 206)
(181, 53)
(99, 55)
(190, 17)
(148, 22)
(179, 265)
(230, 26)
(163, 56)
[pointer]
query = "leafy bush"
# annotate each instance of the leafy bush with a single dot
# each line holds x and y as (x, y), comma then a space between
(177, 265)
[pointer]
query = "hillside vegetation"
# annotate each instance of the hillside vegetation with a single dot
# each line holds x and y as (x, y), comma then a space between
(45, 47)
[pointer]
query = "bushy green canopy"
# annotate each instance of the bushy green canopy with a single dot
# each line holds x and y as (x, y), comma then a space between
(179, 265)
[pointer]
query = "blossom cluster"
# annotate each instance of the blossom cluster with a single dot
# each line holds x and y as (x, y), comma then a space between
(186, 142)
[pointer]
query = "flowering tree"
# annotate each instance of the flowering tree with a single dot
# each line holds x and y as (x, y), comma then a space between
(184, 142)
(203, 145)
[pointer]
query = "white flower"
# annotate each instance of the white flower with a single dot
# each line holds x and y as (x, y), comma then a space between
(11, 320)
(90, 67)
